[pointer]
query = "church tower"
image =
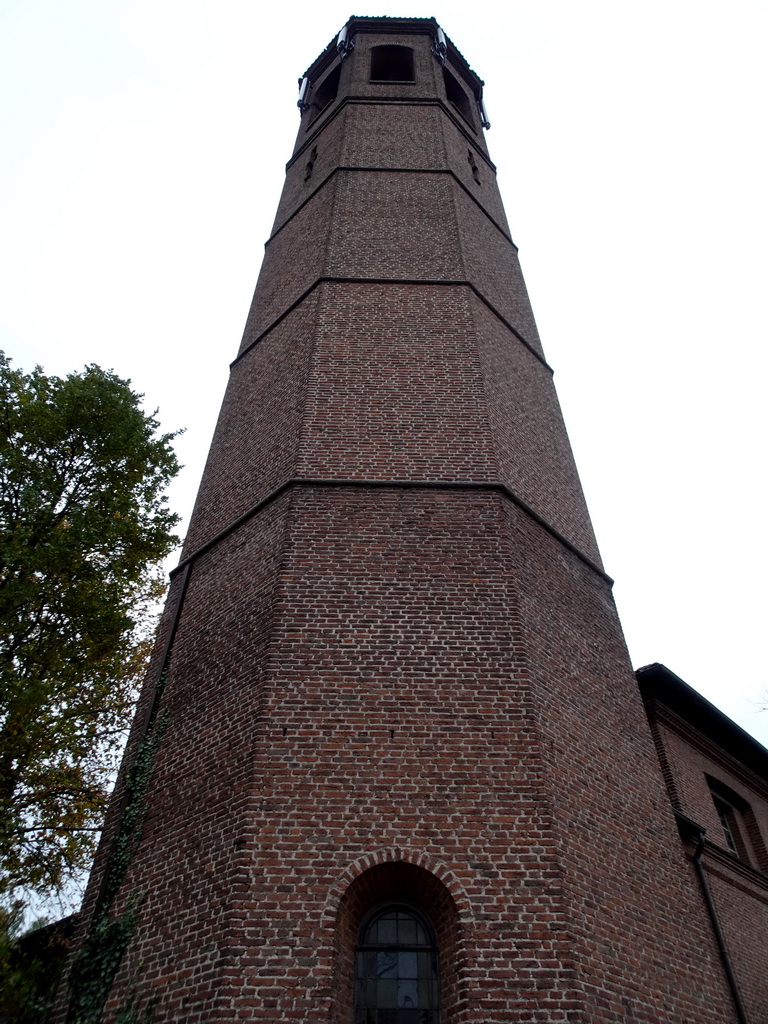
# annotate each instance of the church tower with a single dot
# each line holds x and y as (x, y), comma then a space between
(391, 766)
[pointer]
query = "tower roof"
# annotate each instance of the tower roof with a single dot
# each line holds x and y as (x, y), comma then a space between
(384, 25)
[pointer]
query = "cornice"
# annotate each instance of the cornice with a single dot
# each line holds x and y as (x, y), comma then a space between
(491, 487)
(323, 120)
(392, 170)
(418, 281)
(724, 865)
(659, 712)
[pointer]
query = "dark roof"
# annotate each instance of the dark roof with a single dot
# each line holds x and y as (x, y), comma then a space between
(658, 683)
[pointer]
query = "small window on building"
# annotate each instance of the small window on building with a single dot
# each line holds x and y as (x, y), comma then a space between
(735, 816)
(326, 91)
(456, 95)
(728, 824)
(396, 972)
(392, 64)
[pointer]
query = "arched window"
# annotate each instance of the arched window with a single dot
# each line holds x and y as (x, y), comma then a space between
(396, 974)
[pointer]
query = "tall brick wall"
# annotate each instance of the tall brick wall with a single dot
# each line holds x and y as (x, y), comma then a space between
(705, 756)
(397, 672)
(742, 907)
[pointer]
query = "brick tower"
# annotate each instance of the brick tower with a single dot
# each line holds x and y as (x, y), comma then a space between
(396, 770)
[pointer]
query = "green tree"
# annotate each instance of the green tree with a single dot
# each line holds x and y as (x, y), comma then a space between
(84, 525)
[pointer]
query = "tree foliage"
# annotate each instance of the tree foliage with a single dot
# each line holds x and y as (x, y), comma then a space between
(30, 965)
(84, 525)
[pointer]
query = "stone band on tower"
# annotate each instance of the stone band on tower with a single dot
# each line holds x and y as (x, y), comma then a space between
(405, 775)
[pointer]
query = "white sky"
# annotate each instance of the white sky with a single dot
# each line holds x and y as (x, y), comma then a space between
(144, 145)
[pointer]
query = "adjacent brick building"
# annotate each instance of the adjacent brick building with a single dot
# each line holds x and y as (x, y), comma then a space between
(717, 781)
(398, 769)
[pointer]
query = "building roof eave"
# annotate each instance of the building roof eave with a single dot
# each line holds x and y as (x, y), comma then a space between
(658, 683)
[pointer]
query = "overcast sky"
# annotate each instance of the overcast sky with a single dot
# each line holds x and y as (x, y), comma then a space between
(144, 147)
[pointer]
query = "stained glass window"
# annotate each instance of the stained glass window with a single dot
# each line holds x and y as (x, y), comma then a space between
(396, 971)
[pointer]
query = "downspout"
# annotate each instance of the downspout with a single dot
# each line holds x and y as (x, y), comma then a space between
(691, 831)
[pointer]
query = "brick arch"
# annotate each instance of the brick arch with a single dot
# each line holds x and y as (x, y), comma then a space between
(412, 877)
